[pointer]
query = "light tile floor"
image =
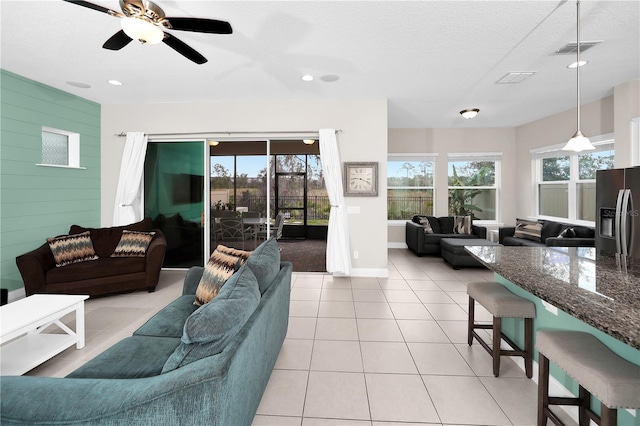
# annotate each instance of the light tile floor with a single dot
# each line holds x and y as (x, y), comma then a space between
(359, 351)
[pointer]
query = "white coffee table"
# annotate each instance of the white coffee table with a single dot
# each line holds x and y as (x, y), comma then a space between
(21, 322)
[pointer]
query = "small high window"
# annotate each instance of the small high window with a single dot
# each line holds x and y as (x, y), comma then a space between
(60, 148)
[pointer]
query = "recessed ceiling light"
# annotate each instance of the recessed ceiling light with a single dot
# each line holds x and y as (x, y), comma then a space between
(115, 82)
(307, 77)
(577, 64)
(330, 78)
(78, 84)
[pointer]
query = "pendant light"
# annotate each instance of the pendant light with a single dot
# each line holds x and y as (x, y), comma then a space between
(578, 142)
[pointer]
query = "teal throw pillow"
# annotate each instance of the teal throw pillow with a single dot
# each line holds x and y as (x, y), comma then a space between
(265, 263)
(211, 327)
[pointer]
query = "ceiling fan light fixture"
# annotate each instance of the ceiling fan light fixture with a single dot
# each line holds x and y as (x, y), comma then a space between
(469, 113)
(308, 141)
(142, 30)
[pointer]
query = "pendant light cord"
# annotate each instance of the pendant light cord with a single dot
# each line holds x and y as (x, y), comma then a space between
(578, 63)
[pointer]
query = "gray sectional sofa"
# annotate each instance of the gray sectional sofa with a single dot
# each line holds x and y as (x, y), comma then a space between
(187, 365)
(552, 234)
(429, 243)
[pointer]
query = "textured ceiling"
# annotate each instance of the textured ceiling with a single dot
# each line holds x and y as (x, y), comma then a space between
(430, 59)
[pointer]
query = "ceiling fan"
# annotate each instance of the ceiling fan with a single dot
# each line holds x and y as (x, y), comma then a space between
(145, 21)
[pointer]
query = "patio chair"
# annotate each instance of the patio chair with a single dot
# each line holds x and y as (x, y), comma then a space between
(276, 229)
(232, 229)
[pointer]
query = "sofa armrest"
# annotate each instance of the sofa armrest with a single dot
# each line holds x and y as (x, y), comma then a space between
(414, 236)
(192, 279)
(33, 267)
(570, 242)
(506, 231)
(479, 231)
(154, 259)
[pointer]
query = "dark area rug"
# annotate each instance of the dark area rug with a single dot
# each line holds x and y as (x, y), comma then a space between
(306, 255)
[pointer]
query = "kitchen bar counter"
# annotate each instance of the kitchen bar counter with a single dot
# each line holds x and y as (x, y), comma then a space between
(594, 289)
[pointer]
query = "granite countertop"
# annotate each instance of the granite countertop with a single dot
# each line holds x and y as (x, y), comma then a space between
(597, 289)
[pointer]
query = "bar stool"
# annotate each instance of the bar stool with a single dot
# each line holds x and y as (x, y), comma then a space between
(501, 303)
(598, 371)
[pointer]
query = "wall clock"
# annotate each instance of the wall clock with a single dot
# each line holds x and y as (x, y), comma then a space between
(360, 179)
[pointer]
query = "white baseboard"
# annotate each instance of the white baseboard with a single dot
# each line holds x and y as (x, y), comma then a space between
(366, 272)
(16, 294)
(397, 245)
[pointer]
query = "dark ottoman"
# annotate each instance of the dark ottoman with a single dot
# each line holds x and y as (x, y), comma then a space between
(453, 252)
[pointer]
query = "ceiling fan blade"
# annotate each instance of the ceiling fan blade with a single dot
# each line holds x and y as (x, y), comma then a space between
(117, 41)
(95, 7)
(200, 25)
(183, 49)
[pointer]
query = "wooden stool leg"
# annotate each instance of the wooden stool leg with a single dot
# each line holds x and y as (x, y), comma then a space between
(543, 389)
(585, 404)
(497, 327)
(528, 346)
(608, 416)
(471, 320)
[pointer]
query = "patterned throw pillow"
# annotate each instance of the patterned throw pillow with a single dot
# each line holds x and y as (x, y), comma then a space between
(462, 225)
(528, 229)
(426, 225)
(133, 244)
(72, 248)
(567, 233)
(223, 262)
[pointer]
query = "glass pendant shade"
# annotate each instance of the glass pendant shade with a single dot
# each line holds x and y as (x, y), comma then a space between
(141, 30)
(578, 142)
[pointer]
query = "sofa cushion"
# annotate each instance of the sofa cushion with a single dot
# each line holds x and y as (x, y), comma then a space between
(69, 249)
(220, 266)
(169, 322)
(133, 244)
(105, 240)
(433, 221)
(265, 263)
(584, 232)
(528, 229)
(446, 225)
(462, 225)
(550, 229)
(513, 241)
(133, 357)
(210, 328)
(99, 268)
(567, 233)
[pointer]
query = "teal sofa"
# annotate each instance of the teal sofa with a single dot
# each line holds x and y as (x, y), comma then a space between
(169, 372)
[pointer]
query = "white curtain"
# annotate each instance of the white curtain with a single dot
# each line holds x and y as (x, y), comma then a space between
(128, 206)
(338, 251)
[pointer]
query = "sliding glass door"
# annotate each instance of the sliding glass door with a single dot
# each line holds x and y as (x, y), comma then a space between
(174, 199)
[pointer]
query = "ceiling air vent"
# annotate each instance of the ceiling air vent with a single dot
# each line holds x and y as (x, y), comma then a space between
(570, 48)
(515, 77)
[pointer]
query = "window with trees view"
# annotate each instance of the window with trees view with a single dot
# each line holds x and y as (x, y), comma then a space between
(473, 185)
(567, 181)
(409, 186)
(240, 181)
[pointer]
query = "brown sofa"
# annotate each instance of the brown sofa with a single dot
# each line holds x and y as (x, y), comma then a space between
(104, 275)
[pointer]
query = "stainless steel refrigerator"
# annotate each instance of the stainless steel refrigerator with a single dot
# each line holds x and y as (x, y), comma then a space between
(618, 212)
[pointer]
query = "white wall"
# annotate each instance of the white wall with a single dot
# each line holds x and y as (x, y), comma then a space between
(364, 138)
(445, 141)
(627, 108)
